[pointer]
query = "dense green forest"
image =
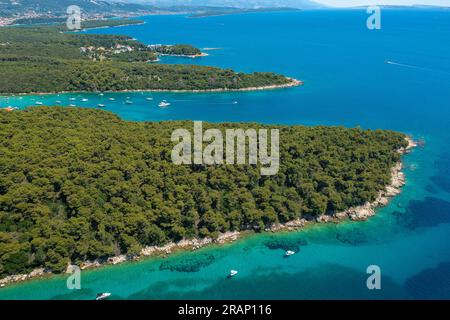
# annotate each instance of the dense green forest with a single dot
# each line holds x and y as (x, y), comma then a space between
(24, 75)
(80, 184)
(89, 24)
(46, 59)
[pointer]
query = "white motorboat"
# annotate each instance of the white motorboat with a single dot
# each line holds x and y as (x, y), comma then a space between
(39, 103)
(232, 273)
(101, 105)
(149, 99)
(112, 99)
(103, 296)
(84, 100)
(289, 253)
(164, 104)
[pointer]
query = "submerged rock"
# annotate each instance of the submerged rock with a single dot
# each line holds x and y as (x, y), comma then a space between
(352, 237)
(285, 244)
(189, 263)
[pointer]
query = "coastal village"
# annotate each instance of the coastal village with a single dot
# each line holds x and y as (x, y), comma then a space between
(32, 11)
(100, 53)
(154, 50)
(48, 16)
(10, 20)
(6, 21)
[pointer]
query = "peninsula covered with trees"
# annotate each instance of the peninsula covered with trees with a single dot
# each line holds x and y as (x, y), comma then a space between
(178, 50)
(46, 59)
(82, 184)
(106, 23)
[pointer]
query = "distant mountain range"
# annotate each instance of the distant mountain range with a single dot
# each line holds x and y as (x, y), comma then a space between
(36, 9)
(8, 7)
(403, 7)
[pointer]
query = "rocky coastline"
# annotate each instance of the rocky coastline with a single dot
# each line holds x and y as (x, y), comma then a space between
(360, 213)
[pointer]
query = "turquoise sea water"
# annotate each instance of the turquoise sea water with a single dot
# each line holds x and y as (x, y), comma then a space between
(347, 82)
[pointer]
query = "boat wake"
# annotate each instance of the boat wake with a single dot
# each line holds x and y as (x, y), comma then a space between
(411, 66)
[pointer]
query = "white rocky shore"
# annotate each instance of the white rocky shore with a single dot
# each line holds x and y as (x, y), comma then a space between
(361, 213)
(191, 244)
(37, 273)
(169, 248)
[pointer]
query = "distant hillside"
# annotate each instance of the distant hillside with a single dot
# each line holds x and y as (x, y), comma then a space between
(406, 7)
(51, 11)
(298, 4)
(220, 11)
(59, 7)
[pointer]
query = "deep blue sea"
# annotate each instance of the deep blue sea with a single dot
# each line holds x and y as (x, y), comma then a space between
(394, 78)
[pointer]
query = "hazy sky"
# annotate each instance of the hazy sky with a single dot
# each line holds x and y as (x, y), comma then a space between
(345, 3)
(349, 3)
